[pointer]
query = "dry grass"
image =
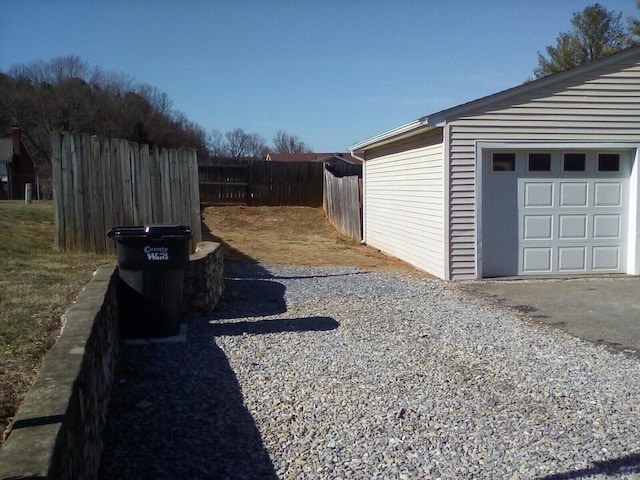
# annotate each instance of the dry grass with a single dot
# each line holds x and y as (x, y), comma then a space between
(291, 236)
(36, 285)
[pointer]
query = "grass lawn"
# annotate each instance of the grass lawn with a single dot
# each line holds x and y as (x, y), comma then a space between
(37, 284)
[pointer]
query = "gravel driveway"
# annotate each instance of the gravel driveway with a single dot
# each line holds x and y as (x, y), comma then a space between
(335, 372)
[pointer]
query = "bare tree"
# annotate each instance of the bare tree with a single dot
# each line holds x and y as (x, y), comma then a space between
(238, 143)
(257, 146)
(216, 144)
(285, 143)
(241, 144)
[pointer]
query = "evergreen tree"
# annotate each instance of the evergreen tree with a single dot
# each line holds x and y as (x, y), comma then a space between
(597, 32)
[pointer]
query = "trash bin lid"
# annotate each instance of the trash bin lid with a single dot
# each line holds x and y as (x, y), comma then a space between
(150, 231)
(126, 232)
(167, 231)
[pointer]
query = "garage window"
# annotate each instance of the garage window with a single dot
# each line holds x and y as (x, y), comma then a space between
(574, 162)
(503, 162)
(608, 162)
(539, 162)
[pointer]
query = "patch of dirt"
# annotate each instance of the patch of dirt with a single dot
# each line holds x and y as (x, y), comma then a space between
(291, 236)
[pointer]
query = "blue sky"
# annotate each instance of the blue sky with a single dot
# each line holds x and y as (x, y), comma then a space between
(331, 72)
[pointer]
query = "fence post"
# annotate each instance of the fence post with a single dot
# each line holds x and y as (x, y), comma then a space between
(27, 193)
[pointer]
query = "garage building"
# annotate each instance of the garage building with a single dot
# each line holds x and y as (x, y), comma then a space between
(541, 179)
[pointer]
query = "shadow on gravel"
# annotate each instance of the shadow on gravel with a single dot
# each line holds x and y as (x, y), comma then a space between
(253, 291)
(251, 298)
(177, 411)
(279, 325)
(629, 464)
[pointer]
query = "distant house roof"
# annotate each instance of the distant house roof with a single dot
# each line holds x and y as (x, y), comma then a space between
(312, 157)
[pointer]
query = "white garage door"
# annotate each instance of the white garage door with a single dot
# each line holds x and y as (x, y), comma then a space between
(554, 212)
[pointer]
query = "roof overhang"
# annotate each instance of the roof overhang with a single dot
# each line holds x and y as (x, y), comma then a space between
(400, 133)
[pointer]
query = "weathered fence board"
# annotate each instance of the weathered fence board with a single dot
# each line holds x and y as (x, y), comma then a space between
(342, 203)
(104, 166)
(194, 194)
(68, 241)
(87, 238)
(262, 183)
(97, 195)
(58, 219)
(155, 181)
(112, 169)
(101, 183)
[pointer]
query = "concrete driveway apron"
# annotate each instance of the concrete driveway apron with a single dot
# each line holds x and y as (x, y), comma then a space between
(598, 309)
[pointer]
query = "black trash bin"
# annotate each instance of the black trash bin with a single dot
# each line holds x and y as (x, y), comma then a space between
(151, 264)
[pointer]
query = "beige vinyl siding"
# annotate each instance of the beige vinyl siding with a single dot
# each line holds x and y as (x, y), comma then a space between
(404, 206)
(604, 107)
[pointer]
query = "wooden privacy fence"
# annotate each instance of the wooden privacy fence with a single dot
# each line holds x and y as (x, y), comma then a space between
(99, 183)
(261, 183)
(342, 203)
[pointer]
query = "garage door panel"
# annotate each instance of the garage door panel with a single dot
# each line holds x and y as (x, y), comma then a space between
(607, 226)
(572, 259)
(538, 194)
(573, 194)
(607, 194)
(537, 260)
(538, 227)
(572, 227)
(606, 258)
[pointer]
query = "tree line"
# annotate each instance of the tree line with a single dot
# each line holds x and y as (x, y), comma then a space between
(237, 143)
(66, 94)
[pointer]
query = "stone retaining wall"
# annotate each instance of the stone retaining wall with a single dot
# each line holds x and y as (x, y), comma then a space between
(57, 432)
(204, 279)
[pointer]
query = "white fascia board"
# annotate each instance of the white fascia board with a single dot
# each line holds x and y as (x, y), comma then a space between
(391, 135)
